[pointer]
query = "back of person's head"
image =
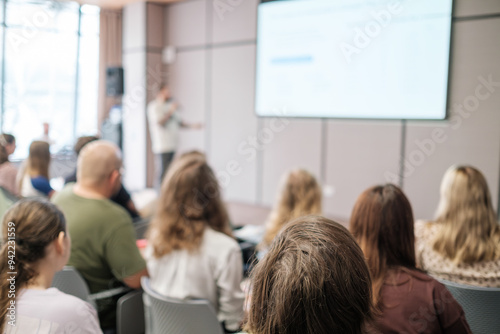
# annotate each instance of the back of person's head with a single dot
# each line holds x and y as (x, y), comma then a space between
(382, 223)
(314, 279)
(193, 154)
(300, 195)
(82, 141)
(163, 91)
(39, 159)
(8, 141)
(98, 167)
(470, 230)
(28, 228)
(8, 138)
(190, 200)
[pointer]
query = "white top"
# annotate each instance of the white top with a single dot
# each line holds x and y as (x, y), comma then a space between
(214, 272)
(164, 138)
(52, 312)
(27, 189)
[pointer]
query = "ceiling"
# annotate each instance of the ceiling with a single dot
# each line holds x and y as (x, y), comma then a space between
(115, 4)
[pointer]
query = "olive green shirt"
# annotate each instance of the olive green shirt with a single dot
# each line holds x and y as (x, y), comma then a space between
(103, 246)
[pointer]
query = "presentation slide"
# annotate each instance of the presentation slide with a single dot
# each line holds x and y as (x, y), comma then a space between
(372, 59)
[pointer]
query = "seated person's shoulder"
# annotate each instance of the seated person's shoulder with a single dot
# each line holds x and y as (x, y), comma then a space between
(68, 301)
(65, 192)
(219, 240)
(41, 184)
(425, 229)
(60, 309)
(117, 215)
(66, 198)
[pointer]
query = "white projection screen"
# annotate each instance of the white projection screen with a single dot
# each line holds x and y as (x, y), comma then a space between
(372, 59)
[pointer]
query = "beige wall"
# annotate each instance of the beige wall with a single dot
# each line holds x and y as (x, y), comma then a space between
(143, 39)
(213, 79)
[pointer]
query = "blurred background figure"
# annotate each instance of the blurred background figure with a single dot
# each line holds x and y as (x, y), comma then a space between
(34, 180)
(164, 126)
(46, 134)
(463, 243)
(300, 195)
(8, 172)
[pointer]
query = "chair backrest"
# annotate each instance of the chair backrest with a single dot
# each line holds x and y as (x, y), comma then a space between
(174, 316)
(481, 306)
(130, 313)
(71, 282)
(141, 226)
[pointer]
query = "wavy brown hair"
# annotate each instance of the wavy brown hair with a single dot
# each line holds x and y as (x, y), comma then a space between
(28, 228)
(382, 223)
(300, 195)
(469, 228)
(314, 279)
(190, 201)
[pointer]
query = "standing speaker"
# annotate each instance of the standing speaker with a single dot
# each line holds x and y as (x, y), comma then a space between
(114, 81)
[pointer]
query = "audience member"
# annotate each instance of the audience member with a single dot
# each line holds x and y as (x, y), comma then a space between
(314, 279)
(300, 195)
(122, 197)
(409, 300)
(8, 172)
(35, 178)
(463, 243)
(191, 253)
(104, 250)
(9, 141)
(35, 246)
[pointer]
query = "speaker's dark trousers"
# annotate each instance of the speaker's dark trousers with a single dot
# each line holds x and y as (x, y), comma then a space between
(165, 159)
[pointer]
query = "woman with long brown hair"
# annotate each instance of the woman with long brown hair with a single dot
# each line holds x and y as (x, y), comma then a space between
(314, 279)
(35, 180)
(191, 253)
(408, 300)
(35, 245)
(300, 195)
(462, 244)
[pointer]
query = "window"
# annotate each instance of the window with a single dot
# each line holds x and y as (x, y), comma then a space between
(50, 62)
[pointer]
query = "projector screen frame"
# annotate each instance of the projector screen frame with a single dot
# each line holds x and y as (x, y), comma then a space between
(279, 115)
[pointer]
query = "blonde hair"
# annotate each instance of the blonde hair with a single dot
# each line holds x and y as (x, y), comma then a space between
(189, 202)
(469, 228)
(300, 195)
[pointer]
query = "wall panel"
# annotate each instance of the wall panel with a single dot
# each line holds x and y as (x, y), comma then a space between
(233, 121)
